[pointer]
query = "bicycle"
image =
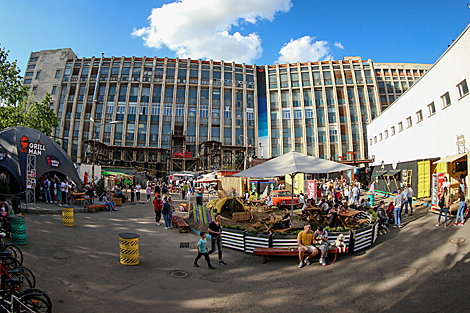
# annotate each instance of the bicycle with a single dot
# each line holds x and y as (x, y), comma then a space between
(9, 268)
(30, 301)
(17, 253)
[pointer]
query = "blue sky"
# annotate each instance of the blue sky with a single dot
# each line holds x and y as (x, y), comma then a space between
(261, 31)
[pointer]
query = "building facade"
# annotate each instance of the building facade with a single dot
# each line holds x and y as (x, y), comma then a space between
(182, 114)
(322, 108)
(427, 119)
(150, 111)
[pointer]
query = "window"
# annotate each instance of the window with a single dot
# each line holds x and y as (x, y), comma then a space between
(432, 108)
(38, 73)
(167, 109)
(297, 113)
(54, 90)
(27, 81)
(409, 122)
(375, 139)
(179, 110)
(463, 88)
(31, 66)
(386, 134)
(419, 115)
(227, 112)
(445, 100)
(35, 89)
(204, 111)
(33, 59)
(393, 130)
(380, 137)
(286, 114)
(400, 127)
(29, 74)
(370, 142)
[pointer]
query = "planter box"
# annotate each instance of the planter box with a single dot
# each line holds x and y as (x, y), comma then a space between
(254, 241)
(363, 237)
(287, 241)
(234, 239)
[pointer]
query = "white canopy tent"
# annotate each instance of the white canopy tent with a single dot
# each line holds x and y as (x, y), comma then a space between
(292, 163)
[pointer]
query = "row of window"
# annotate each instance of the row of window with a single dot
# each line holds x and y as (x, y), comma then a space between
(462, 89)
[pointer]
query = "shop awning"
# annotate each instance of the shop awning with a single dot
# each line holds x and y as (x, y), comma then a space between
(379, 173)
(392, 172)
(451, 158)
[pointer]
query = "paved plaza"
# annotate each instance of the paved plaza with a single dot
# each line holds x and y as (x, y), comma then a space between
(415, 269)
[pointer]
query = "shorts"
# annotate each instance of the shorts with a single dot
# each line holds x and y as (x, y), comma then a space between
(322, 247)
(310, 248)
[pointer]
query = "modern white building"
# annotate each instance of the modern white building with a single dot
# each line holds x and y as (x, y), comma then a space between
(426, 120)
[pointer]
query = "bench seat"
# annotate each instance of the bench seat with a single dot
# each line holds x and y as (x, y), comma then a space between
(97, 207)
(264, 252)
(178, 221)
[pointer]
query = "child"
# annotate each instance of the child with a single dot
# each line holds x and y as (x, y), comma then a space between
(202, 251)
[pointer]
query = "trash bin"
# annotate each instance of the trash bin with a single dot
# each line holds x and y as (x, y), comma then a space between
(370, 198)
(129, 248)
(16, 205)
(67, 216)
(18, 230)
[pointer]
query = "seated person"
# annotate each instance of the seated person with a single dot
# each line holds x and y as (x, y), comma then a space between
(304, 240)
(108, 200)
(330, 201)
(324, 206)
(333, 215)
(382, 215)
(367, 205)
(320, 242)
(252, 197)
(285, 222)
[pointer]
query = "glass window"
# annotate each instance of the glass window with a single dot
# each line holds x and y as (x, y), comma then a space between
(445, 100)
(179, 110)
(419, 115)
(309, 112)
(409, 121)
(432, 108)
(286, 114)
(38, 73)
(167, 109)
(463, 88)
(400, 127)
(204, 111)
(54, 90)
(29, 74)
(297, 114)
(393, 130)
(228, 112)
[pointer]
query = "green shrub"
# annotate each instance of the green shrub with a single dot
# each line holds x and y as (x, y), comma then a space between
(237, 227)
(374, 219)
(254, 231)
(282, 233)
(296, 232)
(327, 228)
(340, 229)
(333, 229)
(228, 226)
(357, 226)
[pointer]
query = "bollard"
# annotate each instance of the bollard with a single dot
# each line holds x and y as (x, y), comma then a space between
(67, 216)
(18, 230)
(129, 248)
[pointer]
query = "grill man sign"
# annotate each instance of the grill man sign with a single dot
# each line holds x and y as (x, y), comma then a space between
(31, 147)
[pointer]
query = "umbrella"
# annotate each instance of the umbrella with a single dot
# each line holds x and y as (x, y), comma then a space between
(206, 180)
(292, 163)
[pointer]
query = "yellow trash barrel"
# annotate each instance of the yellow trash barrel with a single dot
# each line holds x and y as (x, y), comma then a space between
(129, 248)
(67, 216)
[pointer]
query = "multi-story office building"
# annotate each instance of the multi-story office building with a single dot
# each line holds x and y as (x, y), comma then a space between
(322, 108)
(185, 114)
(148, 111)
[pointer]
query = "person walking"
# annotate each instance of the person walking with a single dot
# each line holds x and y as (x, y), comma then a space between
(202, 251)
(398, 203)
(460, 211)
(216, 238)
(409, 196)
(149, 192)
(47, 190)
(405, 201)
(355, 195)
(166, 211)
(445, 201)
(137, 191)
(199, 195)
(158, 208)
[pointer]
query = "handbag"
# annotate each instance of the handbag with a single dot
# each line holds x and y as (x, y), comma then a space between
(441, 202)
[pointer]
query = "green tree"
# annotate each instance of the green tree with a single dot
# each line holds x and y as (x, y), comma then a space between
(18, 107)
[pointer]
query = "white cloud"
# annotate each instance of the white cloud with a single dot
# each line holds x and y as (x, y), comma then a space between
(339, 45)
(304, 49)
(201, 28)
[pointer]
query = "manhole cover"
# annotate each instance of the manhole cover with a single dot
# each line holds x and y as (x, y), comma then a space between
(457, 241)
(60, 255)
(184, 244)
(180, 274)
(406, 272)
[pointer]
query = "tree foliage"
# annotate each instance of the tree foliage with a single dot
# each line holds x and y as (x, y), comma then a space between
(18, 107)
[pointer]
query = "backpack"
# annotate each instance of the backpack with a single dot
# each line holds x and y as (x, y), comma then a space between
(441, 202)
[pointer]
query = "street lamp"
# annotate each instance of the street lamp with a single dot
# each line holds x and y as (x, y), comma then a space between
(94, 146)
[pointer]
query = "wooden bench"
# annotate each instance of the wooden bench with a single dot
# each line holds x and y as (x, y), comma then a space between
(178, 221)
(98, 207)
(265, 252)
(79, 201)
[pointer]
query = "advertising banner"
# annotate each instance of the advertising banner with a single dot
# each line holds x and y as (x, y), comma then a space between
(436, 189)
(312, 189)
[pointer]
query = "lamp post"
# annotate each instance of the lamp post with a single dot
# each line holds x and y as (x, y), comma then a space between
(94, 146)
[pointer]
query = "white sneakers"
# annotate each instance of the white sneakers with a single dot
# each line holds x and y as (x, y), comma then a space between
(157, 223)
(301, 264)
(166, 228)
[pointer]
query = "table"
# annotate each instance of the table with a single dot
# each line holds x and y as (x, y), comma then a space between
(78, 197)
(270, 222)
(343, 217)
(255, 202)
(312, 212)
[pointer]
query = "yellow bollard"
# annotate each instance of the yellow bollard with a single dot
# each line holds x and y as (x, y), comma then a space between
(67, 216)
(129, 248)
